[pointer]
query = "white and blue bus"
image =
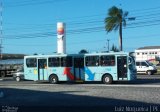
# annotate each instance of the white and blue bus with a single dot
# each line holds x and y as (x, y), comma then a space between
(105, 67)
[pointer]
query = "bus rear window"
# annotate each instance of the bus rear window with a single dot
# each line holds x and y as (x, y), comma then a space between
(31, 62)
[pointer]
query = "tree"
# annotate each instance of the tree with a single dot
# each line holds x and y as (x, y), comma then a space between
(114, 48)
(114, 21)
(83, 51)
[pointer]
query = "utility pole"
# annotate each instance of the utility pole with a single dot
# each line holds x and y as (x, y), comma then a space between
(1, 31)
(108, 44)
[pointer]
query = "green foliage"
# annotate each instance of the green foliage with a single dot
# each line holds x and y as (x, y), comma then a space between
(115, 17)
(115, 20)
(83, 51)
(114, 48)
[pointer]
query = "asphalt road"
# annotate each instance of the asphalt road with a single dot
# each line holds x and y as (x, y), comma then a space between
(29, 96)
(141, 79)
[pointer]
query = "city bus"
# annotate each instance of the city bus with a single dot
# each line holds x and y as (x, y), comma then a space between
(105, 67)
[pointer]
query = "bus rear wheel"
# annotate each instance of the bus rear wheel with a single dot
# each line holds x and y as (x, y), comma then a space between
(53, 79)
(107, 79)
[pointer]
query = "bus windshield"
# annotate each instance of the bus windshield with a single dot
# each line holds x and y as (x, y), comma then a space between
(131, 63)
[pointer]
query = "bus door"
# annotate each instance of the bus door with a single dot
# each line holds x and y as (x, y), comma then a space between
(42, 69)
(122, 67)
(78, 68)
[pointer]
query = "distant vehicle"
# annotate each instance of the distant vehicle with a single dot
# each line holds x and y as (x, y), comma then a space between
(18, 75)
(105, 67)
(7, 67)
(145, 67)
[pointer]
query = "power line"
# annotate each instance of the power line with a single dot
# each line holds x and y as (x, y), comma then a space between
(87, 30)
(145, 9)
(29, 3)
(93, 22)
(84, 42)
(151, 17)
(1, 30)
(86, 23)
(83, 30)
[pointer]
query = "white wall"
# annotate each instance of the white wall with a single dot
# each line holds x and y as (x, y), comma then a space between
(147, 54)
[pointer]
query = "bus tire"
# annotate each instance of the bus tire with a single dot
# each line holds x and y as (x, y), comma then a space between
(107, 79)
(53, 79)
(2, 74)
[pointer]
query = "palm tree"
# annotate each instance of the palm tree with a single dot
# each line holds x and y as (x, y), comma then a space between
(114, 21)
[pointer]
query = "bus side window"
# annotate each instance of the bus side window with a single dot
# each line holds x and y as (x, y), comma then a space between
(63, 61)
(103, 61)
(66, 61)
(69, 61)
(54, 62)
(31, 62)
(112, 62)
(92, 60)
(107, 60)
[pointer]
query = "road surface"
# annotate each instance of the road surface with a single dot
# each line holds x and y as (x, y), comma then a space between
(29, 96)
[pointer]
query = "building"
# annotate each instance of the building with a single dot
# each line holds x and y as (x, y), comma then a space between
(12, 56)
(151, 53)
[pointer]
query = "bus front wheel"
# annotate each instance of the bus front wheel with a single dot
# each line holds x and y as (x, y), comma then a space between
(53, 79)
(107, 79)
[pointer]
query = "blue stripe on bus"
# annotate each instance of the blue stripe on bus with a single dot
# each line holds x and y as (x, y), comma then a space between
(89, 73)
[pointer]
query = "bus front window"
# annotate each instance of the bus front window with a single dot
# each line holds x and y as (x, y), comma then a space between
(131, 63)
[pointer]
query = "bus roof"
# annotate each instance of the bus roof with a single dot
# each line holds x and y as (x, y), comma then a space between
(108, 53)
(87, 54)
(53, 55)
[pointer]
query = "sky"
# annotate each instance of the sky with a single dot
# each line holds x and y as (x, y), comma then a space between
(29, 26)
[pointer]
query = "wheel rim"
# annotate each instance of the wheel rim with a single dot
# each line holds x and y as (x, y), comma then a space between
(149, 73)
(107, 79)
(18, 79)
(54, 80)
